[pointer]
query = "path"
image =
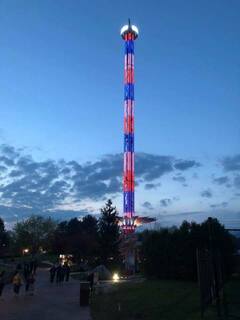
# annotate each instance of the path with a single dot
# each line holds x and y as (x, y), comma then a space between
(50, 302)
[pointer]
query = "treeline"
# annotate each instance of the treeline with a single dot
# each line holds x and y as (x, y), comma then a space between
(171, 253)
(168, 253)
(89, 239)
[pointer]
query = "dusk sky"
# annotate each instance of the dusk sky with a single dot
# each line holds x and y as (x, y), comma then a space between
(61, 108)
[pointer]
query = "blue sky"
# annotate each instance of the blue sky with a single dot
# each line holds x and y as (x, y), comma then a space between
(61, 101)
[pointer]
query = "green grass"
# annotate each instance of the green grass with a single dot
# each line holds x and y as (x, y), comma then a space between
(154, 300)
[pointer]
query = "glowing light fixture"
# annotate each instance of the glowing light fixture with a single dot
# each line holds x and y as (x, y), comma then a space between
(115, 277)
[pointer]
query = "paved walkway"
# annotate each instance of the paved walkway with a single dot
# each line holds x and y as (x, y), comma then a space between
(50, 302)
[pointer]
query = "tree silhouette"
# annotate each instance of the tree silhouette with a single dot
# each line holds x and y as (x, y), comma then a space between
(108, 231)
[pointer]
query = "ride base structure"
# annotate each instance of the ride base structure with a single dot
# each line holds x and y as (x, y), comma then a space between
(129, 221)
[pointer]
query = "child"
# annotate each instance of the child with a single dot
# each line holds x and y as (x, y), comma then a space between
(17, 282)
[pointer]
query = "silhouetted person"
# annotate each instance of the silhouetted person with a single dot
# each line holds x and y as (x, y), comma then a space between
(31, 266)
(52, 273)
(17, 282)
(66, 271)
(58, 273)
(2, 282)
(31, 281)
(27, 283)
(62, 273)
(35, 265)
(26, 270)
(90, 278)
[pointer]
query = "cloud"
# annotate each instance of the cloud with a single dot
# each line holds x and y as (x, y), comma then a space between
(206, 194)
(147, 205)
(220, 205)
(231, 163)
(12, 214)
(180, 179)
(44, 185)
(6, 161)
(195, 176)
(9, 151)
(165, 202)
(151, 167)
(149, 186)
(186, 164)
(3, 168)
(221, 180)
(237, 181)
(228, 218)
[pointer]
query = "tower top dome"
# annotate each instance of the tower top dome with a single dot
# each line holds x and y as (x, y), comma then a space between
(129, 28)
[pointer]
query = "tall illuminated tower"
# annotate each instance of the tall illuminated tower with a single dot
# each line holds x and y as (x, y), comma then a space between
(129, 33)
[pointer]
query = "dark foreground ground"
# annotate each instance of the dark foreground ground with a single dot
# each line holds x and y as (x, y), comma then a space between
(50, 302)
(159, 300)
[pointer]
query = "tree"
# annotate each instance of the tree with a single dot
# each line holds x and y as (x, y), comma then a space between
(172, 253)
(4, 239)
(33, 233)
(108, 231)
(78, 237)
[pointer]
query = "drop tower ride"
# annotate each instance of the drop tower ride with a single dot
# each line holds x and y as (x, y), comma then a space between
(129, 33)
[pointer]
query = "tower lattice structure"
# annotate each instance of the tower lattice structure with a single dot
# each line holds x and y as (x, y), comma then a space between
(129, 34)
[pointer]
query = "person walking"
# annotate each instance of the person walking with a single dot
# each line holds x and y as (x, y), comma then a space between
(90, 278)
(67, 272)
(31, 266)
(52, 273)
(31, 281)
(2, 283)
(35, 266)
(58, 273)
(62, 273)
(17, 282)
(26, 270)
(26, 273)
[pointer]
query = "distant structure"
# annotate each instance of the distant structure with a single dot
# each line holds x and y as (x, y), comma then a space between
(129, 221)
(129, 34)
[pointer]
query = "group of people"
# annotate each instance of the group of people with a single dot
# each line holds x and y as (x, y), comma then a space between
(25, 274)
(59, 273)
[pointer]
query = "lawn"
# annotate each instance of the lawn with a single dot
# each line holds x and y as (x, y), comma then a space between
(155, 300)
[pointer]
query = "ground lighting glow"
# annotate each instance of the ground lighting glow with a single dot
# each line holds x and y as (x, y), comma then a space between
(115, 277)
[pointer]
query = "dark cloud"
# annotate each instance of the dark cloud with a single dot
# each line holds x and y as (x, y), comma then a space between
(9, 151)
(180, 179)
(12, 214)
(176, 198)
(165, 202)
(45, 184)
(3, 168)
(150, 167)
(186, 164)
(15, 173)
(149, 186)
(237, 181)
(147, 205)
(221, 180)
(6, 161)
(231, 163)
(206, 194)
(220, 205)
